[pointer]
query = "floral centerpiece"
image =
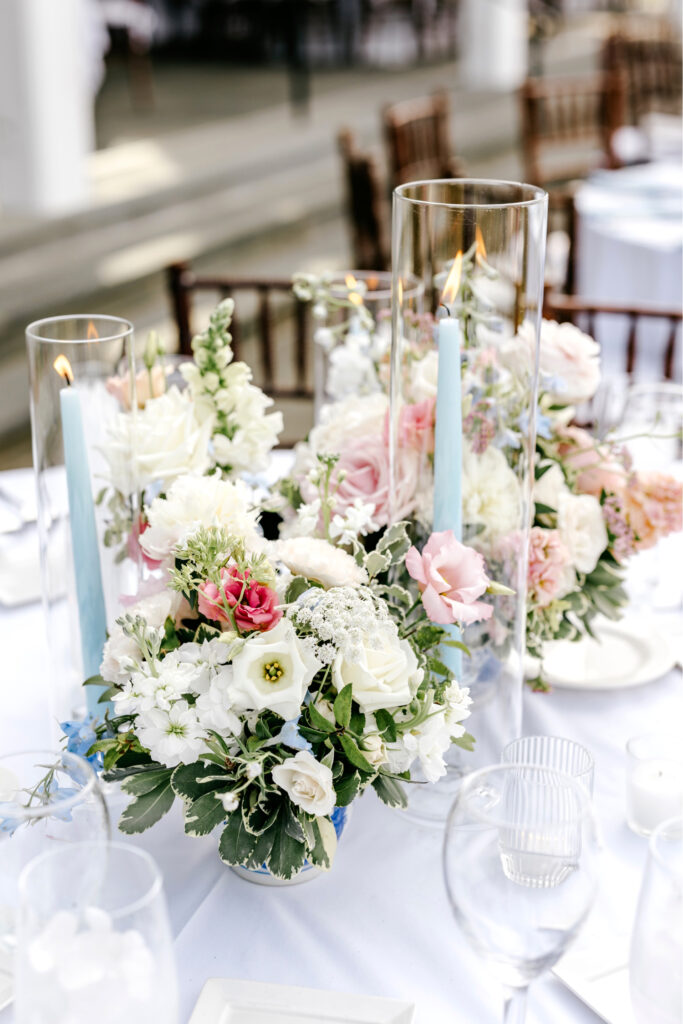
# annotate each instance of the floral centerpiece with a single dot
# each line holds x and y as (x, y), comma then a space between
(591, 510)
(266, 684)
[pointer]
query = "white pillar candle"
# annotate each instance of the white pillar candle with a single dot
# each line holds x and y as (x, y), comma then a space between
(654, 793)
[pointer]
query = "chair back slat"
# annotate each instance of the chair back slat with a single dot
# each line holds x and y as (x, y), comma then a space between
(184, 285)
(651, 69)
(417, 137)
(365, 206)
(570, 307)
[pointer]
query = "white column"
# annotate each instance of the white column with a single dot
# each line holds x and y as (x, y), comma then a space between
(493, 51)
(46, 105)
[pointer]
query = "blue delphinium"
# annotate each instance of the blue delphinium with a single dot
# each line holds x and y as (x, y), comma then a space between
(290, 736)
(80, 736)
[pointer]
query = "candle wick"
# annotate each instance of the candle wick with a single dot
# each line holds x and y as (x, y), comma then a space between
(442, 305)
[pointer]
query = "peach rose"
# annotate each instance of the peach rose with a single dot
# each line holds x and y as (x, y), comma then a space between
(451, 577)
(597, 472)
(549, 575)
(652, 505)
(148, 384)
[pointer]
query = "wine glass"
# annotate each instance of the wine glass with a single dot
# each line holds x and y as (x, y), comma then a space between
(520, 863)
(94, 939)
(656, 962)
(47, 797)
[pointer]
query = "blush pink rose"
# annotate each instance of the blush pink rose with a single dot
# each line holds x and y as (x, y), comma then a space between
(364, 471)
(451, 577)
(652, 504)
(415, 426)
(549, 573)
(597, 472)
(148, 384)
(254, 605)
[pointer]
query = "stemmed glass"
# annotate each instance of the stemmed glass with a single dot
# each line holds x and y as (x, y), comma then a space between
(520, 863)
(656, 963)
(47, 798)
(94, 939)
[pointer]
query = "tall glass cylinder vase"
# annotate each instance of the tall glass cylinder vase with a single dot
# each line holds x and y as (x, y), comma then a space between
(463, 400)
(84, 400)
(353, 340)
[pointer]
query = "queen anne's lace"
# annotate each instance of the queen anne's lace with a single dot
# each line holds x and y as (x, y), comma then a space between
(340, 618)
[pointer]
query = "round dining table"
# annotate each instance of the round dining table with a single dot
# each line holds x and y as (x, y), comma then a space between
(379, 923)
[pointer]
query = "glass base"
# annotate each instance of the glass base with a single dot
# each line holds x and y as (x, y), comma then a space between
(429, 803)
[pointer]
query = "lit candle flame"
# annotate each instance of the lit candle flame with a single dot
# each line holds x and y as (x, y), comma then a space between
(354, 297)
(350, 281)
(400, 291)
(63, 368)
(452, 286)
(92, 334)
(481, 248)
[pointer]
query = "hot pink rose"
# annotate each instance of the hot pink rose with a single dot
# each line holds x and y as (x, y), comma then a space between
(451, 577)
(254, 605)
(549, 573)
(598, 472)
(364, 467)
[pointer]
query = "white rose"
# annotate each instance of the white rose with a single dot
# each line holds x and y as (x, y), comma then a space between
(356, 418)
(273, 670)
(157, 444)
(491, 493)
(423, 377)
(551, 486)
(568, 359)
(318, 560)
(374, 749)
(193, 502)
(120, 651)
(384, 675)
(307, 783)
(582, 528)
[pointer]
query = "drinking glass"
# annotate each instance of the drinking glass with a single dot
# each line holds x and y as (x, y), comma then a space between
(556, 752)
(656, 962)
(47, 798)
(520, 863)
(94, 939)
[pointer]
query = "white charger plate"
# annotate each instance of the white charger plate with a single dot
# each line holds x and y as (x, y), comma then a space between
(626, 653)
(224, 1001)
(599, 976)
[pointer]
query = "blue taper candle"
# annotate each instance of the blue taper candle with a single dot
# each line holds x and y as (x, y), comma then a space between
(86, 553)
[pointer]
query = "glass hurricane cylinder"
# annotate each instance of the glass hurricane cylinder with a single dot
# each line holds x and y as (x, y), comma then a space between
(462, 421)
(352, 348)
(82, 377)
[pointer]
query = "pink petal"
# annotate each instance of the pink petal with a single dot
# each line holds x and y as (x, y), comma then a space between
(415, 566)
(437, 609)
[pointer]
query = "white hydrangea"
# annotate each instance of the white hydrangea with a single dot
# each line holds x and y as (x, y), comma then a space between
(193, 502)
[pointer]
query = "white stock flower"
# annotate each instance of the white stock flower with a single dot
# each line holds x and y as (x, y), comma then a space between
(582, 529)
(550, 488)
(249, 446)
(457, 708)
(356, 521)
(307, 783)
(156, 444)
(491, 493)
(193, 502)
(273, 670)
(214, 707)
(171, 736)
(121, 653)
(318, 560)
(385, 673)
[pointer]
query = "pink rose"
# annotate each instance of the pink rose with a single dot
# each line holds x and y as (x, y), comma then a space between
(365, 467)
(549, 575)
(135, 549)
(597, 471)
(652, 505)
(451, 577)
(415, 426)
(254, 605)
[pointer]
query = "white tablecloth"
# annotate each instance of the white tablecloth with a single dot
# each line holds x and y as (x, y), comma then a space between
(630, 249)
(379, 923)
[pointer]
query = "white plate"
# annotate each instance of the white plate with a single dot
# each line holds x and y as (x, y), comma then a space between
(598, 975)
(626, 653)
(223, 1001)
